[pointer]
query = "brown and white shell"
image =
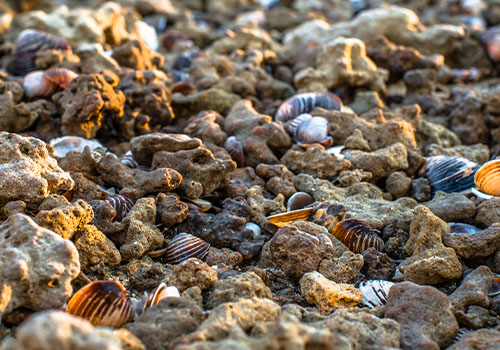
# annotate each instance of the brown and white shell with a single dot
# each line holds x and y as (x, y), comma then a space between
(357, 235)
(375, 292)
(120, 204)
(235, 150)
(103, 303)
(487, 178)
(45, 84)
(184, 246)
(313, 130)
(159, 293)
(491, 41)
(299, 200)
(305, 103)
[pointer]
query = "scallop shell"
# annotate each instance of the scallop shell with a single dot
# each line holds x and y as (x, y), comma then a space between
(184, 246)
(28, 44)
(299, 200)
(375, 292)
(491, 40)
(305, 103)
(120, 204)
(313, 130)
(235, 149)
(357, 235)
(459, 228)
(449, 174)
(159, 293)
(103, 303)
(487, 178)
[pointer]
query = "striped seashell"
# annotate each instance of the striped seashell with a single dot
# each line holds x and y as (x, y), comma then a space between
(305, 103)
(159, 293)
(103, 303)
(28, 44)
(458, 228)
(292, 124)
(284, 219)
(45, 84)
(495, 287)
(184, 88)
(299, 200)
(235, 150)
(491, 41)
(487, 178)
(449, 174)
(375, 292)
(460, 334)
(357, 235)
(128, 160)
(313, 130)
(120, 204)
(185, 59)
(184, 246)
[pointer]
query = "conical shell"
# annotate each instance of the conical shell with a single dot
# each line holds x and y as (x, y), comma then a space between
(375, 292)
(357, 235)
(305, 103)
(103, 303)
(120, 204)
(185, 246)
(487, 178)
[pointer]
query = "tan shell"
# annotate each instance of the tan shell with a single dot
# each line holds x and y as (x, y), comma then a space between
(284, 219)
(487, 178)
(357, 235)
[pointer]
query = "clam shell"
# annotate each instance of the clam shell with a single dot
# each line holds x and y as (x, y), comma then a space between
(299, 200)
(375, 292)
(357, 235)
(45, 84)
(284, 219)
(449, 174)
(235, 149)
(495, 287)
(159, 293)
(65, 144)
(60, 76)
(459, 228)
(120, 204)
(487, 178)
(103, 303)
(184, 246)
(305, 103)
(184, 88)
(292, 125)
(491, 41)
(128, 160)
(312, 130)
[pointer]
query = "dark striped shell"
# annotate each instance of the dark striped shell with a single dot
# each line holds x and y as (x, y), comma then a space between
(357, 235)
(305, 103)
(128, 160)
(375, 292)
(449, 174)
(235, 150)
(299, 200)
(103, 303)
(120, 204)
(184, 246)
(491, 41)
(28, 44)
(312, 130)
(159, 293)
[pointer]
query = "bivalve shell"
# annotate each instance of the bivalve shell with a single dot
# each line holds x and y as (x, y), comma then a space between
(120, 204)
(65, 144)
(491, 40)
(313, 130)
(305, 103)
(458, 228)
(375, 292)
(159, 293)
(357, 235)
(103, 303)
(495, 287)
(184, 246)
(487, 178)
(235, 150)
(299, 200)
(45, 84)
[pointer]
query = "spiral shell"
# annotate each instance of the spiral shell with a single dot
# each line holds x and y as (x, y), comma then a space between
(120, 204)
(313, 130)
(449, 174)
(184, 246)
(375, 292)
(305, 103)
(103, 303)
(299, 200)
(28, 44)
(159, 293)
(487, 178)
(235, 150)
(357, 235)
(45, 84)
(491, 41)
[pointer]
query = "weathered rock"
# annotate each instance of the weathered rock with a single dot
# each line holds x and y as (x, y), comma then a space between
(398, 184)
(482, 339)
(260, 206)
(192, 272)
(473, 245)
(36, 266)
(473, 290)
(135, 54)
(344, 269)
(94, 60)
(451, 207)
(421, 189)
(170, 210)
(378, 266)
(279, 178)
(488, 212)
(425, 316)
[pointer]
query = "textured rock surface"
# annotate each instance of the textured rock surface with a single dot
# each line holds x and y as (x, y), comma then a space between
(488, 212)
(473, 290)
(192, 272)
(451, 207)
(36, 266)
(344, 269)
(480, 339)
(473, 245)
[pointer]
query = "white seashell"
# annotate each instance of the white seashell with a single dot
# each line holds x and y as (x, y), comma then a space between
(292, 125)
(312, 130)
(34, 84)
(148, 35)
(336, 150)
(480, 194)
(375, 292)
(65, 144)
(254, 228)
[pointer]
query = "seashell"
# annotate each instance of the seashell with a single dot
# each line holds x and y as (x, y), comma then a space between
(200, 204)
(357, 235)
(487, 178)
(159, 293)
(183, 88)
(449, 174)
(491, 41)
(148, 35)
(120, 204)
(256, 230)
(45, 84)
(184, 246)
(375, 292)
(65, 144)
(128, 160)
(185, 59)
(299, 200)
(313, 130)
(292, 125)
(235, 149)
(103, 303)
(459, 228)
(495, 287)
(171, 37)
(305, 103)
(284, 219)
(28, 44)
(460, 334)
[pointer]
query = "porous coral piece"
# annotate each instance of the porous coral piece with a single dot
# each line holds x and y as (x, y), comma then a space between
(328, 295)
(344, 269)
(488, 212)
(244, 286)
(87, 104)
(65, 220)
(260, 206)
(57, 330)
(479, 339)
(347, 178)
(315, 161)
(430, 262)
(136, 183)
(192, 272)
(207, 126)
(473, 290)
(28, 172)
(451, 207)
(20, 116)
(212, 99)
(279, 178)
(94, 60)
(474, 245)
(201, 172)
(378, 266)
(342, 61)
(135, 54)
(259, 135)
(398, 184)
(36, 266)
(170, 210)
(57, 59)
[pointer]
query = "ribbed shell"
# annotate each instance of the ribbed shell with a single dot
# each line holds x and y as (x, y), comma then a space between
(357, 235)
(487, 178)
(185, 246)
(128, 160)
(491, 40)
(299, 200)
(103, 303)
(305, 103)
(28, 44)
(120, 204)
(159, 293)
(449, 174)
(312, 130)
(235, 150)
(292, 125)
(375, 292)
